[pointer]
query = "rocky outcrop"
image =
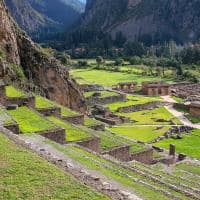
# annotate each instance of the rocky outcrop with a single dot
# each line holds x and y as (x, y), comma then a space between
(45, 72)
(145, 19)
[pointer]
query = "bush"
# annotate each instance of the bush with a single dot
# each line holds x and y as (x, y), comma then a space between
(82, 63)
(119, 62)
(135, 60)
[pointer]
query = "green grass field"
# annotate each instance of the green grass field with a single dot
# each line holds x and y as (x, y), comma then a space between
(13, 92)
(107, 78)
(132, 100)
(90, 121)
(42, 103)
(29, 121)
(103, 94)
(189, 144)
(140, 133)
(73, 133)
(24, 175)
(152, 117)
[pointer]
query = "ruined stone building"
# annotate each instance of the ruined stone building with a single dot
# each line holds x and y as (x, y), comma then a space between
(195, 108)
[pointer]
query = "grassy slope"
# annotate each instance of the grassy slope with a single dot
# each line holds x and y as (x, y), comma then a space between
(13, 92)
(189, 145)
(26, 176)
(140, 133)
(29, 121)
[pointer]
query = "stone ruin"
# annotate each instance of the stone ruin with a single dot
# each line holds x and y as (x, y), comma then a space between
(194, 109)
(105, 115)
(127, 87)
(156, 88)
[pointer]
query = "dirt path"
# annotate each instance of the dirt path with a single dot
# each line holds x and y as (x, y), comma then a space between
(178, 114)
(89, 177)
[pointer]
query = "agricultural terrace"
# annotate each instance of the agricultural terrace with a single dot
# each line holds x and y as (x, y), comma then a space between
(157, 116)
(13, 92)
(25, 175)
(131, 101)
(189, 144)
(103, 94)
(5, 118)
(110, 78)
(72, 133)
(30, 121)
(140, 133)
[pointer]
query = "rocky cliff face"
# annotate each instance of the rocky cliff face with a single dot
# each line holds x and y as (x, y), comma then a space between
(46, 72)
(176, 19)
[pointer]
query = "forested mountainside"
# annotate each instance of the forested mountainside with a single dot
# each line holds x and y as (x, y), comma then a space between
(39, 17)
(145, 20)
(28, 64)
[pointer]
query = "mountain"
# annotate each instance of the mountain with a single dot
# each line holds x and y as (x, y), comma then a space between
(145, 20)
(28, 65)
(39, 17)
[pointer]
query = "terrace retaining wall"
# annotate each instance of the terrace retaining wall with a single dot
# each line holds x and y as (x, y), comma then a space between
(57, 135)
(22, 101)
(3, 98)
(105, 100)
(13, 128)
(77, 119)
(145, 156)
(139, 107)
(181, 106)
(92, 144)
(120, 153)
(55, 111)
(98, 127)
(90, 87)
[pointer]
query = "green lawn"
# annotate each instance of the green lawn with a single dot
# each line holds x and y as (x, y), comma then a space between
(152, 117)
(106, 78)
(189, 145)
(178, 99)
(29, 121)
(13, 92)
(132, 100)
(72, 133)
(140, 133)
(66, 112)
(24, 175)
(194, 120)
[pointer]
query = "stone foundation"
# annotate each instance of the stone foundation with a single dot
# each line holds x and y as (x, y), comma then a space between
(112, 120)
(77, 119)
(98, 127)
(139, 107)
(92, 144)
(57, 135)
(13, 128)
(145, 156)
(50, 111)
(22, 101)
(105, 100)
(120, 153)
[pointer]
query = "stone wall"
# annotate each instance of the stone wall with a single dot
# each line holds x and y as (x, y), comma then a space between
(57, 135)
(3, 98)
(13, 128)
(181, 106)
(120, 153)
(195, 111)
(105, 100)
(90, 87)
(92, 144)
(98, 127)
(21, 101)
(139, 107)
(145, 156)
(77, 119)
(112, 120)
(56, 111)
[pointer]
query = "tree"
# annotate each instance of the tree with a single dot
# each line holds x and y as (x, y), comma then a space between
(99, 61)
(134, 49)
(135, 60)
(119, 62)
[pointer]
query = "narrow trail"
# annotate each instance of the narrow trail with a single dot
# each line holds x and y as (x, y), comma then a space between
(178, 114)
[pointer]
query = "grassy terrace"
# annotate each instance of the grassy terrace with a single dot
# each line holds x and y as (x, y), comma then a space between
(29, 121)
(5, 118)
(26, 176)
(103, 94)
(125, 177)
(106, 78)
(13, 92)
(189, 144)
(90, 121)
(156, 116)
(73, 133)
(132, 100)
(140, 133)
